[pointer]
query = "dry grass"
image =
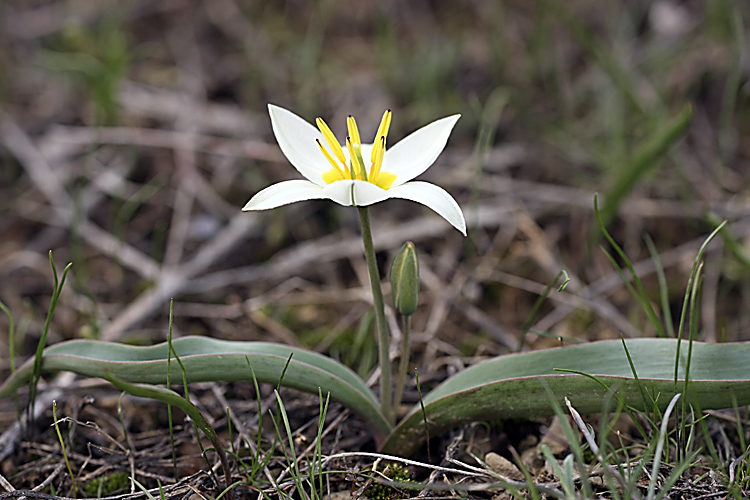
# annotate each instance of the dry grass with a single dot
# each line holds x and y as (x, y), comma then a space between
(132, 134)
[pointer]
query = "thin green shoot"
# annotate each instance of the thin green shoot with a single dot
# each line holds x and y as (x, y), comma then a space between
(62, 446)
(318, 454)
(283, 372)
(37, 373)
(227, 491)
(644, 304)
(12, 353)
(170, 422)
(489, 118)
(148, 494)
(170, 397)
(122, 422)
(663, 288)
(660, 447)
(629, 472)
(569, 474)
(565, 478)
(614, 476)
(231, 435)
(291, 456)
(690, 306)
(565, 282)
(732, 89)
(132, 204)
(736, 248)
(403, 363)
(11, 337)
(526, 474)
(691, 279)
(693, 330)
(741, 435)
(184, 386)
(360, 354)
(648, 399)
(641, 296)
(707, 439)
(257, 463)
(424, 413)
(314, 466)
(538, 304)
(575, 446)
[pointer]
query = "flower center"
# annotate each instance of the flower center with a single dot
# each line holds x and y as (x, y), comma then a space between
(354, 167)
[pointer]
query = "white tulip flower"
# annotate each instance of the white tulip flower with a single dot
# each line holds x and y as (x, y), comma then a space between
(341, 173)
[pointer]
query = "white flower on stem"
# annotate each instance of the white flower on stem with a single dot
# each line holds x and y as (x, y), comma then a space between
(358, 174)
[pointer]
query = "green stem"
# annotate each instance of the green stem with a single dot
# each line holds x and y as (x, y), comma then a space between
(403, 363)
(380, 324)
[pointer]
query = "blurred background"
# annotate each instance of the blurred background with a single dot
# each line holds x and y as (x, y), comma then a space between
(132, 133)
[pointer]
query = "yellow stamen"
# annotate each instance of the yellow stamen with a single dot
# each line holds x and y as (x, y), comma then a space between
(355, 154)
(331, 140)
(331, 159)
(378, 152)
(351, 125)
(385, 124)
(354, 168)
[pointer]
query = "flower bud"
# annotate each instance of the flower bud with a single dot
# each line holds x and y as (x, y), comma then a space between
(405, 279)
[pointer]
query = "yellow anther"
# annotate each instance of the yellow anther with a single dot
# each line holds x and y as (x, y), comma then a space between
(351, 125)
(385, 124)
(331, 159)
(333, 143)
(355, 154)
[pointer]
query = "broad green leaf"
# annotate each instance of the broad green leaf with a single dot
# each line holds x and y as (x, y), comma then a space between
(510, 387)
(207, 359)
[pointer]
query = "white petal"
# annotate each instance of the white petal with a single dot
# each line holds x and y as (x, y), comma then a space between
(296, 139)
(415, 153)
(284, 193)
(340, 192)
(367, 193)
(355, 193)
(434, 197)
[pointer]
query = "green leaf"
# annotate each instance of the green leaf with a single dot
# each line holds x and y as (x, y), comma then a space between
(207, 359)
(172, 398)
(510, 386)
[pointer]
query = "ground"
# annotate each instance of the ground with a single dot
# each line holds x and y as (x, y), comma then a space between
(132, 133)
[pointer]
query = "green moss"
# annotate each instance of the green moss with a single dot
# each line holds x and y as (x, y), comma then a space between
(378, 491)
(107, 485)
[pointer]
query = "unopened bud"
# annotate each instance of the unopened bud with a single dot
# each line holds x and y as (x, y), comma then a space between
(405, 279)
